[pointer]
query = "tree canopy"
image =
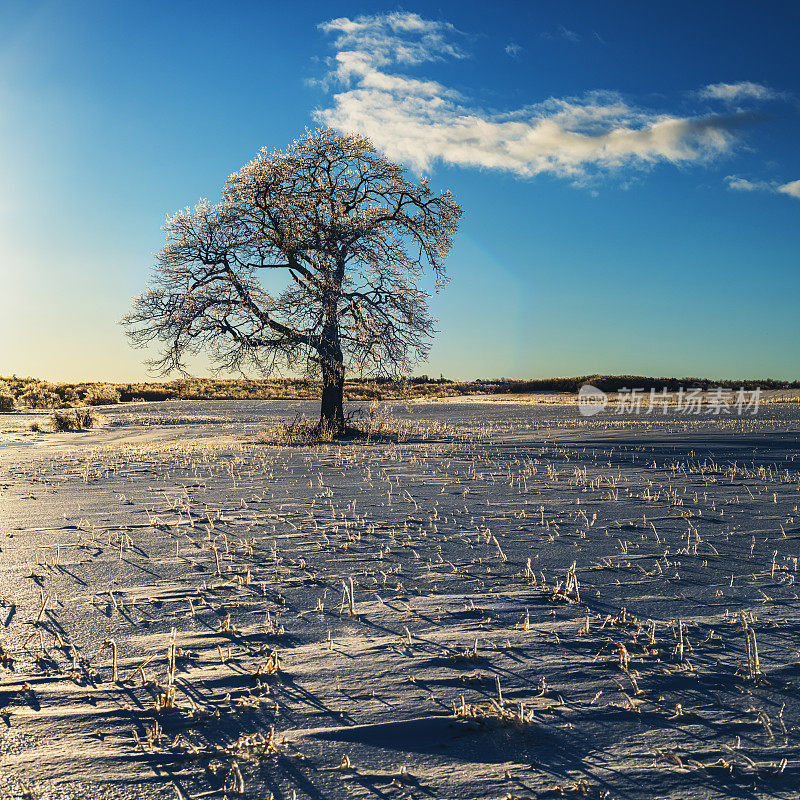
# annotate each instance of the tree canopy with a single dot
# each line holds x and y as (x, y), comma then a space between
(351, 236)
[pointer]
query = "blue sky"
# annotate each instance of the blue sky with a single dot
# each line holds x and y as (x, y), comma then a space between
(628, 170)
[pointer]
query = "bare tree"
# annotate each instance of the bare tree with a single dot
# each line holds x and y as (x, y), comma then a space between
(351, 236)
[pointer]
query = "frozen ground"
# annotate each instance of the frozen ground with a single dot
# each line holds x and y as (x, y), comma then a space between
(537, 606)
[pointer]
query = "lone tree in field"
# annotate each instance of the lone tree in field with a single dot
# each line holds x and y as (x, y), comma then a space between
(352, 238)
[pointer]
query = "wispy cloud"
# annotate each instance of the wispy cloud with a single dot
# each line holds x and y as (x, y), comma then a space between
(397, 38)
(513, 50)
(562, 32)
(422, 122)
(738, 184)
(569, 35)
(738, 92)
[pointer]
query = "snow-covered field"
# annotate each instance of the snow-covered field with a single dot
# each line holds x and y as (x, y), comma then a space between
(530, 605)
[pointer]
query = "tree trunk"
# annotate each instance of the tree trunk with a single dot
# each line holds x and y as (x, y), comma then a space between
(332, 416)
(330, 351)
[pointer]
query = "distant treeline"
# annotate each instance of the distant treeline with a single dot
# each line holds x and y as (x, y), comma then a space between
(34, 393)
(613, 383)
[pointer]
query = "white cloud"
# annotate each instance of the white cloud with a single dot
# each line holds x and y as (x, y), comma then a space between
(792, 189)
(564, 137)
(513, 50)
(736, 92)
(422, 122)
(738, 184)
(743, 185)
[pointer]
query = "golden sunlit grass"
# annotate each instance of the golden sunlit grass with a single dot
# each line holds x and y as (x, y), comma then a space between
(35, 393)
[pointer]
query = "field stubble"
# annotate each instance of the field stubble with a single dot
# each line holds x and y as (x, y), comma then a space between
(521, 604)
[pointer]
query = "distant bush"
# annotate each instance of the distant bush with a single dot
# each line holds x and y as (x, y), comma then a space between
(149, 392)
(103, 395)
(39, 395)
(7, 401)
(76, 419)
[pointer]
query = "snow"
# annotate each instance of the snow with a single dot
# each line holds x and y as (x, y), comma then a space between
(463, 670)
